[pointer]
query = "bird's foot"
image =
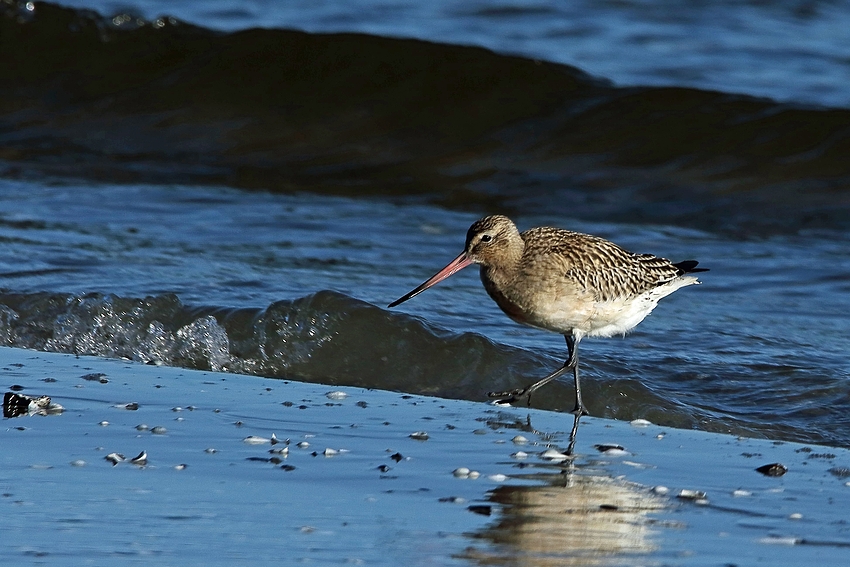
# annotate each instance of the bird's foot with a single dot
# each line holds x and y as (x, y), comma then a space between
(508, 398)
(580, 411)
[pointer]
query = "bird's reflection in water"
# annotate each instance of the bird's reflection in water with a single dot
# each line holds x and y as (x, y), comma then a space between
(575, 518)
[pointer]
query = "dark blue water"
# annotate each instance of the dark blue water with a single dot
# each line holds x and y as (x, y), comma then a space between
(787, 50)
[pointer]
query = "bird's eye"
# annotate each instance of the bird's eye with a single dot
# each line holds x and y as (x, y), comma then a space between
(486, 238)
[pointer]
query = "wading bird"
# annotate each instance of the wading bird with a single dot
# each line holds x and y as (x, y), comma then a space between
(566, 282)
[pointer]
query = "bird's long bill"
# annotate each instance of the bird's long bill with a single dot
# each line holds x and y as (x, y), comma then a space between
(456, 265)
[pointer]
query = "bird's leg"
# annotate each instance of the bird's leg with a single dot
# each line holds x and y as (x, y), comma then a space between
(573, 433)
(571, 363)
(572, 348)
(514, 396)
(579, 410)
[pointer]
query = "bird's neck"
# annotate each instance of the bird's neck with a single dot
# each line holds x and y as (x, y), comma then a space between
(504, 269)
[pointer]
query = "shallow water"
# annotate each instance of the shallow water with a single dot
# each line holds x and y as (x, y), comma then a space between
(217, 278)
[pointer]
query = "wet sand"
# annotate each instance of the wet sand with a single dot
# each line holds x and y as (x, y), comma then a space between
(368, 489)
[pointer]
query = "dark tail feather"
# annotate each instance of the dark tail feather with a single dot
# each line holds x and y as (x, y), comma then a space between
(689, 267)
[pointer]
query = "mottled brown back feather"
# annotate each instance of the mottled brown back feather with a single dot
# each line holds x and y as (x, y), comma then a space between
(601, 267)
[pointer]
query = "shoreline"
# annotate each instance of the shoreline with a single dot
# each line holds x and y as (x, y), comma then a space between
(369, 489)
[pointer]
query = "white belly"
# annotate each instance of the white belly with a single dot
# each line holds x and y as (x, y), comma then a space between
(619, 316)
(583, 316)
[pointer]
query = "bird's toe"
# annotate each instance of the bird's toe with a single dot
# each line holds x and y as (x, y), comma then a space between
(508, 398)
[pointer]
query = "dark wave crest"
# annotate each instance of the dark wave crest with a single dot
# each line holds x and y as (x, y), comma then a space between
(326, 337)
(331, 338)
(122, 99)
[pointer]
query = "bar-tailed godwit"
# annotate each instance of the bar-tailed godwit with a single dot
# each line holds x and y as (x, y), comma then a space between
(563, 281)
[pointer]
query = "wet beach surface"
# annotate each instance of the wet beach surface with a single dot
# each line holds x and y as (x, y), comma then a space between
(375, 477)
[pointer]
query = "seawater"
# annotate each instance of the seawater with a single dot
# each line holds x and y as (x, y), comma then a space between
(786, 50)
(297, 286)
